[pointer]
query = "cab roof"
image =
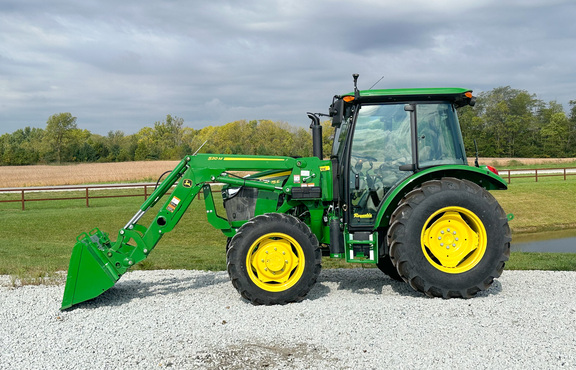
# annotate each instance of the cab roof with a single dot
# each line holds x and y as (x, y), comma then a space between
(454, 94)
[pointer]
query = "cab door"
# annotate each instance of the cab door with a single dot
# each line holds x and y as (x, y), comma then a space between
(380, 144)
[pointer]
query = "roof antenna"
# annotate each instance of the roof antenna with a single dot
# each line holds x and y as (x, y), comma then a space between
(356, 91)
(376, 83)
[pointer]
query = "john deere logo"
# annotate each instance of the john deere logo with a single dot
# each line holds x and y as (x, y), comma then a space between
(187, 183)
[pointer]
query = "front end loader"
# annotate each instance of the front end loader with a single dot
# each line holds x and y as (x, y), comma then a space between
(396, 192)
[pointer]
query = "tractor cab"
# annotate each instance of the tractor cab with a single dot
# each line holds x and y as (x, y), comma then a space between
(383, 137)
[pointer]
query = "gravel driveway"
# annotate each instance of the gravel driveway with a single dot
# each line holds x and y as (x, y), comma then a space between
(355, 318)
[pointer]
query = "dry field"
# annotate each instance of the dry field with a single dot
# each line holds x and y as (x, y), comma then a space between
(502, 162)
(84, 173)
(96, 173)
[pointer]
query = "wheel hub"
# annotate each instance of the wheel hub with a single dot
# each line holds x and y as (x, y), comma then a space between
(273, 262)
(454, 239)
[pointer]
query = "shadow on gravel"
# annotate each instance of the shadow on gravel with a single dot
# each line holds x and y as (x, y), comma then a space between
(359, 281)
(127, 290)
(363, 281)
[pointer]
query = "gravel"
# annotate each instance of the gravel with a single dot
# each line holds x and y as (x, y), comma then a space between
(355, 318)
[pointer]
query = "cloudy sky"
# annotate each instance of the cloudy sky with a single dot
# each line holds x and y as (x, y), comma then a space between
(123, 65)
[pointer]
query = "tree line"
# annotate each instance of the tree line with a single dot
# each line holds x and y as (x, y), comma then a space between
(63, 142)
(505, 122)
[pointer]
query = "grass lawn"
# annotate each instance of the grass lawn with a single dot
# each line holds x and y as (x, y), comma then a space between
(546, 205)
(41, 238)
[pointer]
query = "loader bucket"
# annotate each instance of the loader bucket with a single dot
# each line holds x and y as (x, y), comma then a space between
(90, 273)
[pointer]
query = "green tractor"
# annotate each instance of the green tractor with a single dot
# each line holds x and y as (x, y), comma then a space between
(396, 192)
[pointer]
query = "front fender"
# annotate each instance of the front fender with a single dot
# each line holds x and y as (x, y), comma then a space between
(478, 175)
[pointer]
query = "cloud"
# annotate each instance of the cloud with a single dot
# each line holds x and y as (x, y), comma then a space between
(124, 65)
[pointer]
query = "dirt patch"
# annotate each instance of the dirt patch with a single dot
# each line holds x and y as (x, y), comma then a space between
(258, 356)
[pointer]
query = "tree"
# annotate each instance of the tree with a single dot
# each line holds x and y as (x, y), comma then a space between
(58, 132)
(327, 138)
(555, 135)
(572, 133)
(507, 122)
(169, 135)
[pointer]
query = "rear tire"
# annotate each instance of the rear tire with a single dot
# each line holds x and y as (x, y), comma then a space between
(274, 259)
(449, 238)
(386, 266)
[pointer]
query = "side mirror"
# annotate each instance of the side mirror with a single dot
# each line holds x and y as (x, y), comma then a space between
(337, 112)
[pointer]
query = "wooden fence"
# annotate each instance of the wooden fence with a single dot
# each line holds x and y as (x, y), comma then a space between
(145, 189)
(537, 173)
(140, 190)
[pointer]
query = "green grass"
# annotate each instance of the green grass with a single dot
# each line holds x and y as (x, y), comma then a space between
(546, 205)
(39, 240)
(542, 261)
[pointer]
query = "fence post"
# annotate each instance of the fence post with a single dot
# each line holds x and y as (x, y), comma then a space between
(87, 203)
(536, 171)
(564, 174)
(509, 176)
(23, 200)
(145, 192)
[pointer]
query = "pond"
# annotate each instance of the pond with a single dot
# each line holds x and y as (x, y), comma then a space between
(549, 242)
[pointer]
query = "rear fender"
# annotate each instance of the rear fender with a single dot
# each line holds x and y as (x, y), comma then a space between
(478, 175)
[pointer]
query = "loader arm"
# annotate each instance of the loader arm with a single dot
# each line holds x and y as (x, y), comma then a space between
(97, 262)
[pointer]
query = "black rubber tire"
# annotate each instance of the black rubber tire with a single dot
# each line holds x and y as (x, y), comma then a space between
(408, 221)
(242, 244)
(386, 266)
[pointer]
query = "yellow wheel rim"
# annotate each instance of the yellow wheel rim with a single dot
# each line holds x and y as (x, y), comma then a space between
(454, 240)
(275, 262)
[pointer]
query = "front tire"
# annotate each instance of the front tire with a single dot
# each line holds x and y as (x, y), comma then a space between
(274, 259)
(449, 238)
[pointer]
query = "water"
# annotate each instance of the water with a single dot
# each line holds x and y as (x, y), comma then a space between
(548, 242)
